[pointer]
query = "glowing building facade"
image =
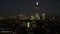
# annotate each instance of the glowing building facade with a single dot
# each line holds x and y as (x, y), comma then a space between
(43, 16)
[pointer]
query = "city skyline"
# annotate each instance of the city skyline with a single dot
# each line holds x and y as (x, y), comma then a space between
(16, 7)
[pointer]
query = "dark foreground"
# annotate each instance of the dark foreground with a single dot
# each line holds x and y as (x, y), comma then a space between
(42, 27)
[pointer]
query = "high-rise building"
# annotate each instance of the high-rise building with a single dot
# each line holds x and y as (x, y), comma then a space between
(43, 16)
(37, 17)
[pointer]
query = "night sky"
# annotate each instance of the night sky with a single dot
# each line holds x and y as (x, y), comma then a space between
(16, 7)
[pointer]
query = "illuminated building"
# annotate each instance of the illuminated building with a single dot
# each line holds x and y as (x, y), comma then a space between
(37, 17)
(53, 18)
(31, 17)
(28, 24)
(6, 31)
(23, 17)
(43, 16)
(1, 18)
